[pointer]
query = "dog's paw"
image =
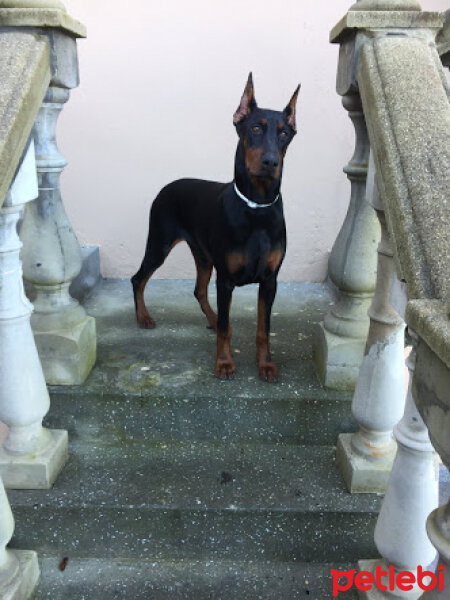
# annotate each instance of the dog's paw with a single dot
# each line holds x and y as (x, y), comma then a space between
(212, 322)
(224, 368)
(268, 371)
(146, 322)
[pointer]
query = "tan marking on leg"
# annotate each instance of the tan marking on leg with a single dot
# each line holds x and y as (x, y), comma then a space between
(274, 258)
(142, 315)
(235, 261)
(224, 368)
(201, 293)
(267, 369)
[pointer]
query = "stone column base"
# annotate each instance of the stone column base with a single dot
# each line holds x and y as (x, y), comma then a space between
(375, 593)
(362, 476)
(68, 353)
(337, 358)
(23, 582)
(35, 471)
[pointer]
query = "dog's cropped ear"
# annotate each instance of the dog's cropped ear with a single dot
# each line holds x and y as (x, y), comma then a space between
(289, 111)
(247, 104)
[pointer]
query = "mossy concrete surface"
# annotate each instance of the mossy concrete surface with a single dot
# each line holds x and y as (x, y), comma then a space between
(176, 359)
(183, 486)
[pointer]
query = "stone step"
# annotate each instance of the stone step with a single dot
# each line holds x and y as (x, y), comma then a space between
(234, 418)
(197, 500)
(159, 383)
(92, 578)
(175, 360)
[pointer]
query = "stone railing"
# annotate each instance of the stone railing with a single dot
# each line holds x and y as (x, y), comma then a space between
(389, 59)
(38, 67)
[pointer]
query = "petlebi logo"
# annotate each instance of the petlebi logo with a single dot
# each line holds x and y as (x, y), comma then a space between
(385, 580)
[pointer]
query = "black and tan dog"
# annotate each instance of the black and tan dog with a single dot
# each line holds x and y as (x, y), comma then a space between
(238, 228)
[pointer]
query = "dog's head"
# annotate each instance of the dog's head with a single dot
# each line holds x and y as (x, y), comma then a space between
(264, 134)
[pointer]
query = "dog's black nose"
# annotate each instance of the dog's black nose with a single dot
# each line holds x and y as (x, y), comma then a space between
(270, 161)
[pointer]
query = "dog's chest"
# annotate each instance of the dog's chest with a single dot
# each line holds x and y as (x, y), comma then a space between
(255, 259)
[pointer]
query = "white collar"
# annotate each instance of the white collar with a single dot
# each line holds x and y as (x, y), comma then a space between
(250, 203)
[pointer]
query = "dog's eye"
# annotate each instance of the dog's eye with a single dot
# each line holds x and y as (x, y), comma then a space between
(256, 129)
(283, 134)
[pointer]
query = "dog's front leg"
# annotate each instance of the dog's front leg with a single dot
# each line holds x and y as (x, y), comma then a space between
(266, 367)
(224, 368)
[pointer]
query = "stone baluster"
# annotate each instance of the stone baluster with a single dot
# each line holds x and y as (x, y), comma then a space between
(340, 339)
(19, 569)
(412, 492)
(438, 527)
(365, 458)
(64, 334)
(30, 456)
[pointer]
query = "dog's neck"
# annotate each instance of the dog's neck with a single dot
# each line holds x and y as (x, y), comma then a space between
(259, 190)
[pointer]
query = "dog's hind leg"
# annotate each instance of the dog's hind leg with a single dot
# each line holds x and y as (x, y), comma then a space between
(159, 243)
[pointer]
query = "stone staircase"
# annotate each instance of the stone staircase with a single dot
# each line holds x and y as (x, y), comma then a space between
(181, 486)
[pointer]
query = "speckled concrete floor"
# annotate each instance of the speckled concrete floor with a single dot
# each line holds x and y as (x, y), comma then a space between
(182, 486)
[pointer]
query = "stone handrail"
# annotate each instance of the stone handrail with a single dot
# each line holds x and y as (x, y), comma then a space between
(390, 54)
(25, 76)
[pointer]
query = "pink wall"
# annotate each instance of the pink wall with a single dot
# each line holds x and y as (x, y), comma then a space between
(159, 84)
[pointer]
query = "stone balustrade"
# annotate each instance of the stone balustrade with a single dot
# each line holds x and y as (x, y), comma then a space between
(30, 456)
(38, 66)
(64, 334)
(412, 493)
(389, 49)
(366, 457)
(340, 339)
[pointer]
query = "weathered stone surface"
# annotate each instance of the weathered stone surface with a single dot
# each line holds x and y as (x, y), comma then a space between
(337, 358)
(35, 470)
(32, 4)
(142, 499)
(67, 349)
(431, 387)
(104, 579)
(443, 41)
(378, 20)
(25, 75)
(63, 59)
(64, 334)
(90, 274)
(341, 338)
(140, 509)
(408, 119)
(29, 454)
(23, 582)
(390, 5)
(41, 17)
(360, 475)
(430, 319)
(174, 359)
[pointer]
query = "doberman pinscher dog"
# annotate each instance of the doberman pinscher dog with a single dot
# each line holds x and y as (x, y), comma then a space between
(238, 228)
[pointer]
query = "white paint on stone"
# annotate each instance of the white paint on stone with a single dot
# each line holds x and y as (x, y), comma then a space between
(412, 493)
(24, 399)
(365, 458)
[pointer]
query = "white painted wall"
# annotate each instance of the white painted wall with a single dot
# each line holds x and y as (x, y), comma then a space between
(160, 81)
